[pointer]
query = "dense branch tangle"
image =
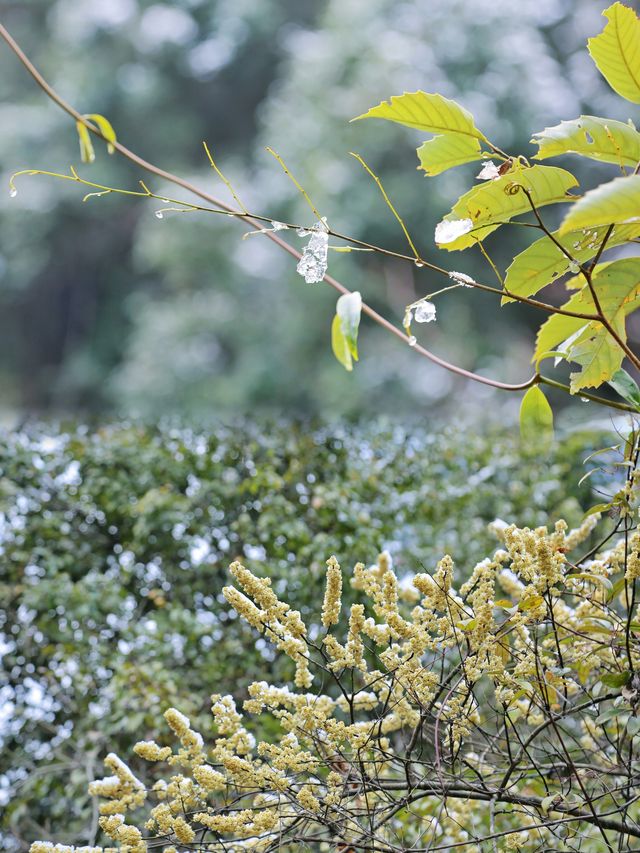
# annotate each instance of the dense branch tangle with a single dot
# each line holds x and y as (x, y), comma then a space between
(497, 715)
(597, 316)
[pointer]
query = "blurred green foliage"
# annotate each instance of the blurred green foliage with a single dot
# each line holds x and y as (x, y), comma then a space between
(104, 308)
(115, 545)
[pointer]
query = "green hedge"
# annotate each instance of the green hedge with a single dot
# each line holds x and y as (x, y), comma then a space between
(115, 545)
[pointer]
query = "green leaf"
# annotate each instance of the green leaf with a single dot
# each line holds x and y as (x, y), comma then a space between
(597, 508)
(626, 387)
(492, 203)
(598, 355)
(600, 139)
(87, 154)
(609, 714)
(633, 726)
(446, 151)
(589, 576)
(616, 51)
(339, 344)
(543, 261)
(536, 419)
(348, 310)
(617, 286)
(614, 202)
(616, 679)
(106, 129)
(423, 111)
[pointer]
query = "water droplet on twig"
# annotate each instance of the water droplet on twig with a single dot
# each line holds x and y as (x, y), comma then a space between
(412, 341)
(159, 214)
(13, 192)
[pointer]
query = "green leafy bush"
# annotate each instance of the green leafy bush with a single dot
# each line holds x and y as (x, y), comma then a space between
(116, 545)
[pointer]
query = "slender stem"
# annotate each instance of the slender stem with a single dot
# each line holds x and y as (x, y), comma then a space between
(587, 273)
(613, 404)
(254, 221)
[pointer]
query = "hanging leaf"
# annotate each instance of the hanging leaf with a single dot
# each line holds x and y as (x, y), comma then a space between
(106, 129)
(598, 355)
(492, 203)
(87, 154)
(616, 51)
(617, 201)
(626, 387)
(536, 419)
(617, 286)
(339, 344)
(446, 151)
(543, 262)
(348, 310)
(600, 139)
(429, 112)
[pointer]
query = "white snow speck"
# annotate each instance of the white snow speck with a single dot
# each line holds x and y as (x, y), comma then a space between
(450, 229)
(425, 311)
(312, 266)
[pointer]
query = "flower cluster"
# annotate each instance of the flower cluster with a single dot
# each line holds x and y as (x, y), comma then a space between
(422, 690)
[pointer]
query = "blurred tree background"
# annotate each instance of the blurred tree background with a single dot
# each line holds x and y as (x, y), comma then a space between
(105, 310)
(114, 548)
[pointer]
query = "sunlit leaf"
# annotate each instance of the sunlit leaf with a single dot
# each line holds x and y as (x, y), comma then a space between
(615, 679)
(626, 387)
(106, 129)
(87, 154)
(558, 328)
(348, 310)
(543, 261)
(617, 201)
(600, 139)
(536, 419)
(490, 204)
(616, 51)
(429, 112)
(339, 344)
(590, 576)
(446, 151)
(598, 355)
(617, 286)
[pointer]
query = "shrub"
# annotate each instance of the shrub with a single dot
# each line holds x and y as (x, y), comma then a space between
(115, 550)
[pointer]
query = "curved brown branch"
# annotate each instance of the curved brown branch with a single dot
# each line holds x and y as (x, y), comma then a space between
(220, 204)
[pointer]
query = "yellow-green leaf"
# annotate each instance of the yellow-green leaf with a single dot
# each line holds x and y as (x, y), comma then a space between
(626, 387)
(339, 344)
(446, 151)
(429, 112)
(106, 129)
(348, 310)
(617, 286)
(598, 355)
(543, 261)
(492, 203)
(87, 154)
(617, 201)
(536, 419)
(600, 139)
(616, 51)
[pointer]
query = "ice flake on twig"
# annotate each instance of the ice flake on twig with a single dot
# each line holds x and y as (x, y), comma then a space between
(275, 226)
(462, 278)
(489, 172)
(566, 345)
(450, 229)
(312, 266)
(424, 311)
